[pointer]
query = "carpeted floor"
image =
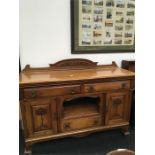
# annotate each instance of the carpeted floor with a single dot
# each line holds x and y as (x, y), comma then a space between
(93, 144)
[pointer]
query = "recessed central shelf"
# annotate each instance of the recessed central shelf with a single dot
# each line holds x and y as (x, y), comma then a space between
(81, 107)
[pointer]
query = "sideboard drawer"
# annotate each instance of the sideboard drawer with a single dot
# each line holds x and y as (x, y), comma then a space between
(51, 91)
(97, 87)
(81, 123)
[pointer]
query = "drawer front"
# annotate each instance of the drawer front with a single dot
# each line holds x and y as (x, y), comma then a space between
(81, 123)
(51, 91)
(97, 87)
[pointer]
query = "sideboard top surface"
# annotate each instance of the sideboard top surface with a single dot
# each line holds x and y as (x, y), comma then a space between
(71, 70)
(43, 76)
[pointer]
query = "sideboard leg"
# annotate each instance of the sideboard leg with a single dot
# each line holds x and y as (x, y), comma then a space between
(125, 130)
(28, 149)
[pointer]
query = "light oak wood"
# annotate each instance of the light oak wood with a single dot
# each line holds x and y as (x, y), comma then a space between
(47, 75)
(80, 110)
(73, 98)
(81, 123)
(52, 91)
(117, 104)
(100, 87)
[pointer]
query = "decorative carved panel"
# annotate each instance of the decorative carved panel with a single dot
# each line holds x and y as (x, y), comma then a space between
(117, 108)
(117, 102)
(41, 117)
(73, 64)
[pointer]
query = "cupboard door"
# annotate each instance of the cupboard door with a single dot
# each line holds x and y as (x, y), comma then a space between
(41, 117)
(117, 107)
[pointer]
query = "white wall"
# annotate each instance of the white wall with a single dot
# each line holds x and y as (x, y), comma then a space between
(45, 34)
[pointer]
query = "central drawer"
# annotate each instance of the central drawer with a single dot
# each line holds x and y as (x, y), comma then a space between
(51, 91)
(80, 123)
(97, 87)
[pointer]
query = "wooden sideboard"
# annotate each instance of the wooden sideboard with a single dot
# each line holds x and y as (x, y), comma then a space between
(130, 65)
(74, 97)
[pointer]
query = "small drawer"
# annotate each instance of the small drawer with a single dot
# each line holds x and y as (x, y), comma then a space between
(81, 123)
(52, 91)
(97, 87)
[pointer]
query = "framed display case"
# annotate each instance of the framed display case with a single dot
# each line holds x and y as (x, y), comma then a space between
(102, 26)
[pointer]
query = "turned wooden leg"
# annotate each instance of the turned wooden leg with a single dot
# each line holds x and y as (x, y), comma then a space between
(125, 130)
(28, 149)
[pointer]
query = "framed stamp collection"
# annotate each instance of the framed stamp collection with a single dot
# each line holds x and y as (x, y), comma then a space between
(102, 26)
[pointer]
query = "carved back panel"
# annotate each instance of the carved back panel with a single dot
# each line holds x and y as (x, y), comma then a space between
(73, 64)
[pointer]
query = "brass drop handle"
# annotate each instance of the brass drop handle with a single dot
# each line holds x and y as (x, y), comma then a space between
(72, 91)
(33, 93)
(124, 85)
(67, 125)
(91, 88)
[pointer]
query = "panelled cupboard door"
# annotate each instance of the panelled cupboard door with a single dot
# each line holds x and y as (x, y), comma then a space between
(41, 117)
(117, 107)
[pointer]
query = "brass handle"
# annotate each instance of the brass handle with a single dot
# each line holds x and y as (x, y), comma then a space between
(72, 91)
(91, 89)
(67, 125)
(124, 85)
(33, 93)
